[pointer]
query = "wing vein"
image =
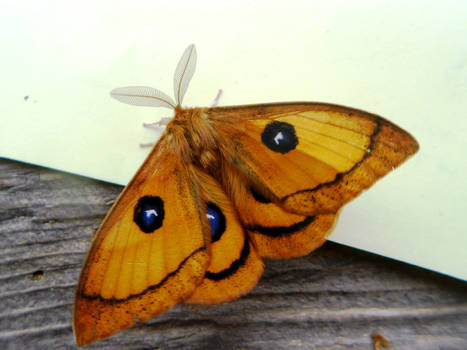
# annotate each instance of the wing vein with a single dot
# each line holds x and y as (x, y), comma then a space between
(330, 123)
(330, 150)
(363, 148)
(125, 246)
(109, 261)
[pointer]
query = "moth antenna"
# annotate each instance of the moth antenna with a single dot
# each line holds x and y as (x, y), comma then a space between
(184, 72)
(142, 96)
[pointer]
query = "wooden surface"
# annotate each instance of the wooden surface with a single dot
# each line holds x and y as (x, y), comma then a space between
(334, 298)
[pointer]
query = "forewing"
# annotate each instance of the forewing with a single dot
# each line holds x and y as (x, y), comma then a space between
(150, 252)
(310, 158)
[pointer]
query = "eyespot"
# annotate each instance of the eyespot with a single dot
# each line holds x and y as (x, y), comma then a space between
(279, 137)
(216, 220)
(258, 196)
(149, 213)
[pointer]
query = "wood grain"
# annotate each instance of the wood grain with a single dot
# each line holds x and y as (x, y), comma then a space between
(334, 298)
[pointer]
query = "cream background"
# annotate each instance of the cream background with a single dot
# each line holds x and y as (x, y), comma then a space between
(405, 60)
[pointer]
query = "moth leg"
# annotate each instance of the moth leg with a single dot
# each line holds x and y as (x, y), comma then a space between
(216, 100)
(155, 125)
(147, 144)
(151, 125)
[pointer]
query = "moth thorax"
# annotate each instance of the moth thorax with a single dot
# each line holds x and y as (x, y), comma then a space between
(182, 116)
(208, 159)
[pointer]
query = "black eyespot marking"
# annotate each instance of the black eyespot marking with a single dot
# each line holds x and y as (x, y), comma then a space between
(149, 213)
(258, 196)
(279, 137)
(216, 220)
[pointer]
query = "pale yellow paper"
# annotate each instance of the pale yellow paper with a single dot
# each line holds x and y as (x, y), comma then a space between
(404, 60)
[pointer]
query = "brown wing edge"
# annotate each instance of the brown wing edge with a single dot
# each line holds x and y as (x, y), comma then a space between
(390, 146)
(109, 316)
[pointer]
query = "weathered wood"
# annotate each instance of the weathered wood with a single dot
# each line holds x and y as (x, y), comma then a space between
(332, 299)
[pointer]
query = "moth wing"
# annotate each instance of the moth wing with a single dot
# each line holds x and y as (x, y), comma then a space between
(235, 265)
(150, 252)
(310, 158)
(275, 232)
(289, 168)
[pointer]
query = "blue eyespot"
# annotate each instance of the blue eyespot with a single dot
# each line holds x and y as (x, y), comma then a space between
(149, 213)
(216, 220)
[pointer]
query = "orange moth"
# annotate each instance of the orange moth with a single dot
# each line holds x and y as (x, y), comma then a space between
(223, 188)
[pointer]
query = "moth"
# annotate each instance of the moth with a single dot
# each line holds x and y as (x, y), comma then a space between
(223, 188)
